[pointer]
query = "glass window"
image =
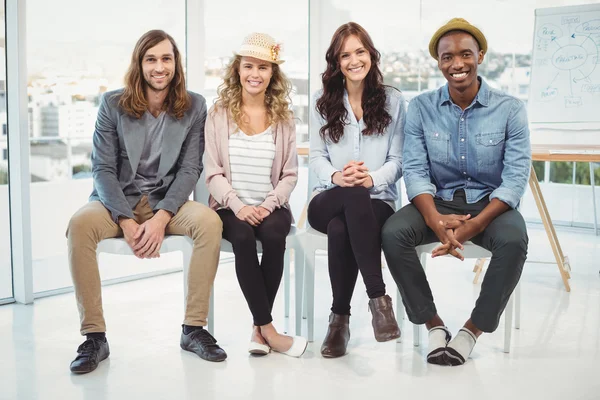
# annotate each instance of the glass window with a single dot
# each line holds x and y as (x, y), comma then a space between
(561, 172)
(292, 33)
(6, 290)
(582, 173)
(538, 166)
(71, 63)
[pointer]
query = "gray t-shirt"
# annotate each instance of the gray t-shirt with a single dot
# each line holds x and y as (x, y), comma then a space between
(145, 176)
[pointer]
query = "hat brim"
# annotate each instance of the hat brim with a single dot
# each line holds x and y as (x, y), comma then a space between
(245, 54)
(457, 26)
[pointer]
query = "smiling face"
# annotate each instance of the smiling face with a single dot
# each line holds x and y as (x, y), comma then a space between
(255, 75)
(458, 59)
(158, 66)
(354, 59)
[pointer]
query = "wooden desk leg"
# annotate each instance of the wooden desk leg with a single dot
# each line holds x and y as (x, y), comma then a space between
(478, 269)
(561, 260)
(303, 215)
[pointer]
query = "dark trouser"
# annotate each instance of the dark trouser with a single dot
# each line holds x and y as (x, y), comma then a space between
(352, 222)
(505, 237)
(259, 281)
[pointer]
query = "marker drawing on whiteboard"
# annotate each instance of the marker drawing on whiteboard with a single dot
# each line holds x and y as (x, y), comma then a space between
(576, 51)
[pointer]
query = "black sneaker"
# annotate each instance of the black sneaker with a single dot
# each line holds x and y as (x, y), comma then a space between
(91, 353)
(201, 342)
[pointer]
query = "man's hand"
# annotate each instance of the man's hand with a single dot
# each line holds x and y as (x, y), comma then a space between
(250, 214)
(129, 228)
(151, 234)
(466, 231)
(263, 212)
(439, 223)
(444, 249)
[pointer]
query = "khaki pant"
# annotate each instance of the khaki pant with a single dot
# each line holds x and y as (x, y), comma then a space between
(92, 223)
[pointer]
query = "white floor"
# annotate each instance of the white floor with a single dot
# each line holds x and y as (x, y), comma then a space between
(554, 355)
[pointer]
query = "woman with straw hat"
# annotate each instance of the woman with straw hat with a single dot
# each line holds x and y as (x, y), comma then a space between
(251, 169)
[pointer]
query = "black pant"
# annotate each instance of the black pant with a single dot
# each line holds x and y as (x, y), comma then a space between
(259, 281)
(352, 222)
(505, 237)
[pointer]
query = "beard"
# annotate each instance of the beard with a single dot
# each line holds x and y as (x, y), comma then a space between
(164, 86)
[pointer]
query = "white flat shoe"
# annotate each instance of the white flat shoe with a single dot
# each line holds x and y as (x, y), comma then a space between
(259, 348)
(298, 347)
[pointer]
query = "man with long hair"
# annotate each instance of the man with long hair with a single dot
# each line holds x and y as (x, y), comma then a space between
(146, 160)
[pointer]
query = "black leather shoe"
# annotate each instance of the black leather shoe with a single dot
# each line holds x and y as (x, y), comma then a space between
(90, 354)
(201, 342)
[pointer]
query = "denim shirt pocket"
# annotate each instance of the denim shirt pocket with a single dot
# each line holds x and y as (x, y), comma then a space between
(438, 147)
(490, 148)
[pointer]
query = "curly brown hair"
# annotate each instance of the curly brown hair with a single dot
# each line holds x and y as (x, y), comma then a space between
(330, 104)
(133, 100)
(277, 96)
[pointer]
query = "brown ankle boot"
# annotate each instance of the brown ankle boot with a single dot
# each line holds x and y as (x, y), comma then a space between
(337, 337)
(385, 326)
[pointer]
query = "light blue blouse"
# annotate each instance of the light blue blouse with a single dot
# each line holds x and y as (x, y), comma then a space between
(382, 154)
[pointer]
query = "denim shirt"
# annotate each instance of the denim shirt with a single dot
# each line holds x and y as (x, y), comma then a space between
(484, 149)
(381, 153)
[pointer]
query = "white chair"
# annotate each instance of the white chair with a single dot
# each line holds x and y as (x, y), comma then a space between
(291, 243)
(201, 195)
(470, 251)
(170, 244)
(184, 244)
(312, 240)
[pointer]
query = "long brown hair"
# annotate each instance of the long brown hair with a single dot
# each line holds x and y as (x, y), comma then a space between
(133, 100)
(330, 104)
(277, 96)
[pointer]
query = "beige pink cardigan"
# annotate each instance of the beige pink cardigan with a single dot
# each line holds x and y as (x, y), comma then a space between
(284, 175)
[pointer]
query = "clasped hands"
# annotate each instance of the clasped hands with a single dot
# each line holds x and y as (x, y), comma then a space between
(253, 215)
(355, 173)
(146, 238)
(453, 230)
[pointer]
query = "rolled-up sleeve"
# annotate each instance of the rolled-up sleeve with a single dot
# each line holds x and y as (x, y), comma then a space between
(517, 158)
(415, 161)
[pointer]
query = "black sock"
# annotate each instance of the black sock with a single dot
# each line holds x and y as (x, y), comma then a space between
(97, 336)
(187, 329)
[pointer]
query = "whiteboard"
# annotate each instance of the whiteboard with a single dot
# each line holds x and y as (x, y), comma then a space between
(565, 73)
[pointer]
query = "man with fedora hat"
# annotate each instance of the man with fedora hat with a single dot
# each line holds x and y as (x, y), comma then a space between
(466, 165)
(146, 160)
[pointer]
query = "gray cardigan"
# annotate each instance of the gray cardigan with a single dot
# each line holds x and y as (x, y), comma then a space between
(117, 146)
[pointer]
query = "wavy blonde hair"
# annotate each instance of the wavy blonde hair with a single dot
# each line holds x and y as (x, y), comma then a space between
(277, 96)
(133, 100)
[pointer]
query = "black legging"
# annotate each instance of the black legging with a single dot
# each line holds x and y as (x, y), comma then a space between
(352, 222)
(259, 282)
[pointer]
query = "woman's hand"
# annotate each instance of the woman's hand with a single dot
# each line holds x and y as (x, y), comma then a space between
(250, 214)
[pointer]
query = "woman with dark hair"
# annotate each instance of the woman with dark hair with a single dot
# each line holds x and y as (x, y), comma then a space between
(251, 169)
(356, 157)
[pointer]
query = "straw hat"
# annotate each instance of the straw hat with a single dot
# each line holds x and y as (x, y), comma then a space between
(261, 46)
(457, 24)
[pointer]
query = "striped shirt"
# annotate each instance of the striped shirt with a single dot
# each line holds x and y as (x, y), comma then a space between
(251, 161)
